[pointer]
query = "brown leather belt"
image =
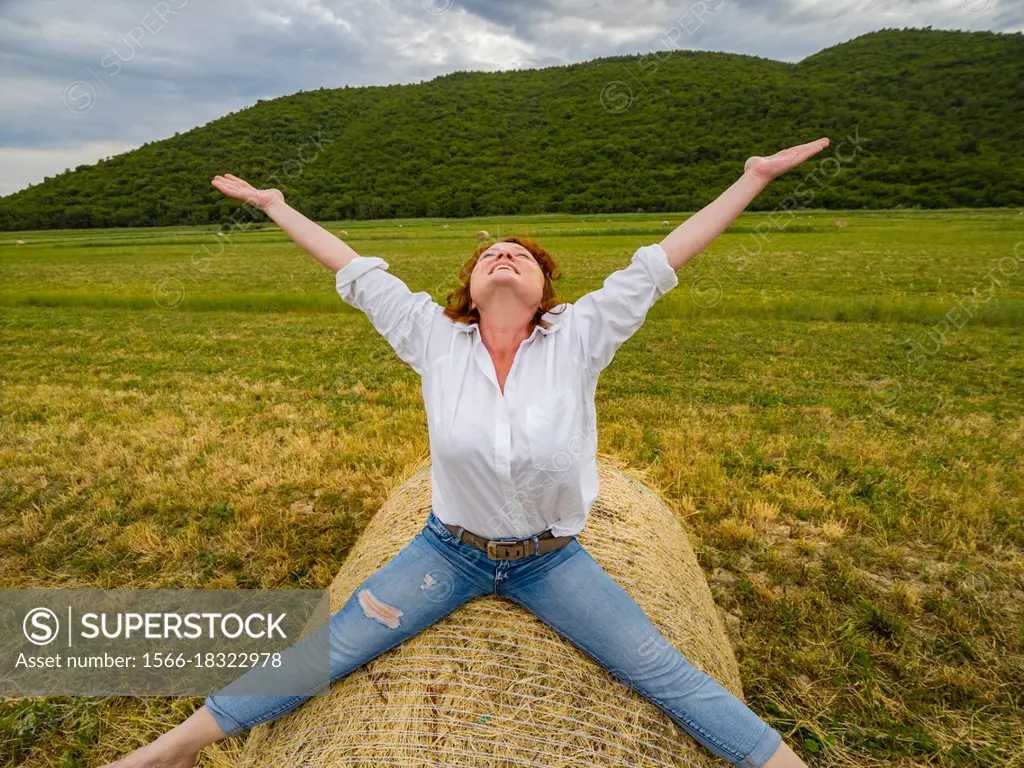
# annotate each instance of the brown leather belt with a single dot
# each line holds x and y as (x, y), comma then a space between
(511, 550)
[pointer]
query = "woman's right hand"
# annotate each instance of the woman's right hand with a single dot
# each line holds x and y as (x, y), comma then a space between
(239, 189)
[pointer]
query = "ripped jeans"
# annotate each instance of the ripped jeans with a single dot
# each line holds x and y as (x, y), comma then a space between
(568, 590)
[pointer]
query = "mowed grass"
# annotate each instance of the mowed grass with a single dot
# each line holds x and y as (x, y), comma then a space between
(835, 411)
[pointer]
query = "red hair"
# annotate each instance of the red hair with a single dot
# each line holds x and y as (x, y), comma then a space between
(458, 301)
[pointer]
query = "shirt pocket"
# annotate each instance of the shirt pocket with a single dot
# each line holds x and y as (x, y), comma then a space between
(550, 424)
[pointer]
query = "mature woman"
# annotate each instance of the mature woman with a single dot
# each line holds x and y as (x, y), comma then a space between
(509, 376)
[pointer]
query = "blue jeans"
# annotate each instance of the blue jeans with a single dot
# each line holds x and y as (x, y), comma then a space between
(568, 590)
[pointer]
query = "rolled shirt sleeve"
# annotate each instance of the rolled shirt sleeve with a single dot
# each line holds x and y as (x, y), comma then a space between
(605, 318)
(408, 321)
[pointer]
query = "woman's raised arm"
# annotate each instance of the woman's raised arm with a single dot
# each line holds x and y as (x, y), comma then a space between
(413, 323)
(329, 250)
(696, 233)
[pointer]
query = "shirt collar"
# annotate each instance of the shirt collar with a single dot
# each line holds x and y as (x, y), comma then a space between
(555, 324)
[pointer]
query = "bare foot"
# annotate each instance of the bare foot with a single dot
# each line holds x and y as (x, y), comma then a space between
(785, 757)
(179, 747)
(155, 755)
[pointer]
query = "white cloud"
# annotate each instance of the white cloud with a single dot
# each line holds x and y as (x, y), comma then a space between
(459, 40)
(322, 13)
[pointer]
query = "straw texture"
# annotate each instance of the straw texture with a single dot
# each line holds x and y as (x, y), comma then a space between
(491, 685)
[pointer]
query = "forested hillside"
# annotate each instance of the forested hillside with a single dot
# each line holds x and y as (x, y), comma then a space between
(936, 117)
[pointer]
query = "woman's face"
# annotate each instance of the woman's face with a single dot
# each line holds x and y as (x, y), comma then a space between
(507, 267)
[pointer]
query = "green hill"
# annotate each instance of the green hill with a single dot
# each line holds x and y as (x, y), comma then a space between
(936, 116)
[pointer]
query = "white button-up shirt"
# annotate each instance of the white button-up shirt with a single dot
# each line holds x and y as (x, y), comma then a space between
(513, 464)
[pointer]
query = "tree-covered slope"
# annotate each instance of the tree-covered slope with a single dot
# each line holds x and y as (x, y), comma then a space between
(929, 118)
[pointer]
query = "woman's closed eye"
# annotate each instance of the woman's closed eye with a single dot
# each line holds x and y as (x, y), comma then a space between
(491, 254)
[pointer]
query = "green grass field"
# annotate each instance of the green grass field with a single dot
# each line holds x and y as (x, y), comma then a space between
(837, 411)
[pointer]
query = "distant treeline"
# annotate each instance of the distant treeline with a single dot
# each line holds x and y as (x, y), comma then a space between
(917, 118)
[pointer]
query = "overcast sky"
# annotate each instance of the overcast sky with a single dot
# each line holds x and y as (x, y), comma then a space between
(82, 80)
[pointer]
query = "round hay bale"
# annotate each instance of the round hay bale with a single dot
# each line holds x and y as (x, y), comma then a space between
(841, 223)
(483, 234)
(492, 685)
(664, 223)
(343, 233)
(19, 242)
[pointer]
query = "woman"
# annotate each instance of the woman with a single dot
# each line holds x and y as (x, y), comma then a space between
(508, 386)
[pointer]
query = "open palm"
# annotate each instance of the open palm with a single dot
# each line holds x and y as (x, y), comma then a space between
(239, 189)
(770, 167)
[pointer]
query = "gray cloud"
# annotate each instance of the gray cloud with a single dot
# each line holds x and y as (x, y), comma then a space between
(83, 81)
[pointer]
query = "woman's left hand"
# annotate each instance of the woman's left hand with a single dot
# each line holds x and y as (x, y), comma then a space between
(768, 168)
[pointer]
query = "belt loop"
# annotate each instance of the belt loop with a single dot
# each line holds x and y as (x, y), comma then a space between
(536, 545)
(458, 536)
